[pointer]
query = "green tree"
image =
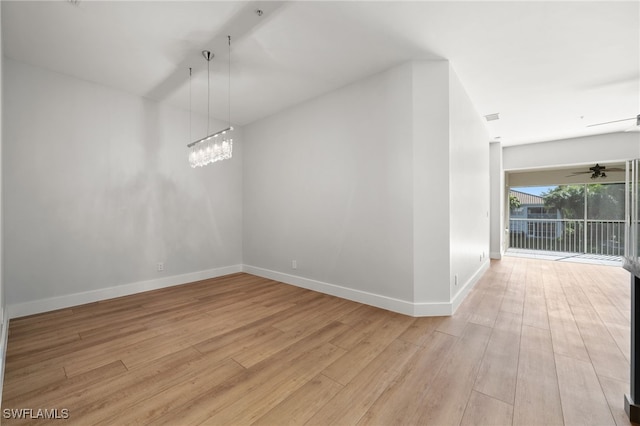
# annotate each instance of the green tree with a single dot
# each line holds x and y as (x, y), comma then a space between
(514, 202)
(604, 201)
(569, 199)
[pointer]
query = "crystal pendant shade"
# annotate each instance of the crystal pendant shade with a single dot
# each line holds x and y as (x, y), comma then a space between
(214, 148)
(217, 146)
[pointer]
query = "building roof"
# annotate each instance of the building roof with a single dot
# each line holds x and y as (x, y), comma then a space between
(525, 198)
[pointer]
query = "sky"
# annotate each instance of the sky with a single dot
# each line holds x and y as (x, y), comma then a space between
(534, 190)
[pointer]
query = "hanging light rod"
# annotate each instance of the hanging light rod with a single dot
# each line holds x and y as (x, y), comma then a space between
(206, 138)
(208, 55)
(215, 146)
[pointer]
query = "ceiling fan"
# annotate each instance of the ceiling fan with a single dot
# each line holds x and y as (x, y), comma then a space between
(633, 128)
(598, 171)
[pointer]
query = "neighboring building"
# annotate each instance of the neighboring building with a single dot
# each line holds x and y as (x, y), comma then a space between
(532, 218)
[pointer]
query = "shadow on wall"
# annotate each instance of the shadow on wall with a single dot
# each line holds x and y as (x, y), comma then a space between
(98, 190)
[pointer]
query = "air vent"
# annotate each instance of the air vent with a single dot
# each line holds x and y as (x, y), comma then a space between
(492, 117)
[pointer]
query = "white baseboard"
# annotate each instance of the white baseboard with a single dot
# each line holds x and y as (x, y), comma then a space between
(442, 309)
(384, 302)
(495, 255)
(60, 302)
(392, 304)
(377, 300)
(471, 282)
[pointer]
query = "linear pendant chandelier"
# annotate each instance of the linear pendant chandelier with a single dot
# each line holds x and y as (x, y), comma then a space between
(216, 146)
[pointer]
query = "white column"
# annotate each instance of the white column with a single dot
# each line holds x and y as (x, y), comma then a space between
(497, 198)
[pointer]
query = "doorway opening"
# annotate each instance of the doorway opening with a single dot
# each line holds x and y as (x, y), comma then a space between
(568, 220)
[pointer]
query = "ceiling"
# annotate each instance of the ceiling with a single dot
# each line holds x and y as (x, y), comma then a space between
(615, 173)
(548, 68)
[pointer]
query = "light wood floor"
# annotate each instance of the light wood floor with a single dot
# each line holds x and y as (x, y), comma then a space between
(535, 343)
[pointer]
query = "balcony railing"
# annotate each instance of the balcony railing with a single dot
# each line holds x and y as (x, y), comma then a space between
(604, 237)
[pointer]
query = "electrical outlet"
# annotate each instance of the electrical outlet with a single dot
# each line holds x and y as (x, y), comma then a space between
(455, 280)
(294, 264)
(160, 266)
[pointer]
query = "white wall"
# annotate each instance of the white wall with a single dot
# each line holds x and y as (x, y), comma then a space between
(329, 184)
(4, 323)
(431, 184)
(2, 293)
(610, 147)
(97, 190)
(497, 183)
(358, 187)
(469, 178)
(367, 188)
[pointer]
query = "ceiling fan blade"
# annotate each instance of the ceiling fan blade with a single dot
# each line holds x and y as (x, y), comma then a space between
(635, 128)
(637, 118)
(614, 121)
